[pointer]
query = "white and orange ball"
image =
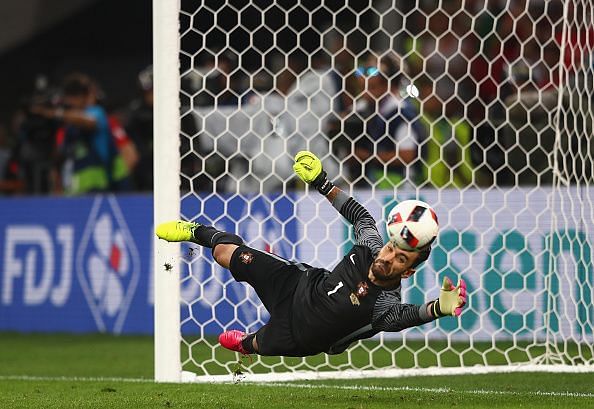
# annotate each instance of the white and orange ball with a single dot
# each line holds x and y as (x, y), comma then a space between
(412, 225)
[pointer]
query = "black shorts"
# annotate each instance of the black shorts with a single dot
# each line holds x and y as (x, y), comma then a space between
(275, 281)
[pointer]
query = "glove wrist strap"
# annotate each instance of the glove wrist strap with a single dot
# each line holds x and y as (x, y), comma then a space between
(325, 187)
(322, 184)
(436, 309)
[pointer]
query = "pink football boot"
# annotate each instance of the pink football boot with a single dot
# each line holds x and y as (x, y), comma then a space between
(232, 340)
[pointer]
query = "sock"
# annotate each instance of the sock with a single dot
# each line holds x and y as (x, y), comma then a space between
(203, 235)
(247, 344)
(208, 236)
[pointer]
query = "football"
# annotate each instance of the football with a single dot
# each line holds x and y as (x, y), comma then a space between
(412, 225)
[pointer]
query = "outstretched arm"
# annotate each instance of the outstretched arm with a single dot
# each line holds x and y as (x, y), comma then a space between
(451, 301)
(309, 169)
(366, 232)
(402, 316)
(74, 117)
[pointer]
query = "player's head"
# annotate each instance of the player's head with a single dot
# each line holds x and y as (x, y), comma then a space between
(394, 263)
(78, 91)
(382, 75)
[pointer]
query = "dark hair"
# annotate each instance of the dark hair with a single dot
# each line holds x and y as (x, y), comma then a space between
(77, 85)
(392, 69)
(423, 256)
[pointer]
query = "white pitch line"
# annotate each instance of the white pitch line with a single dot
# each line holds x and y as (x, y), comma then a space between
(73, 379)
(317, 386)
(428, 390)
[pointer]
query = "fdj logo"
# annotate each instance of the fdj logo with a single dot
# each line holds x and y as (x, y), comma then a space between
(107, 264)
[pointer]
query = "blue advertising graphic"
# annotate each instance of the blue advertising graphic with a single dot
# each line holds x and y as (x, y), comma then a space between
(85, 264)
(76, 264)
(211, 299)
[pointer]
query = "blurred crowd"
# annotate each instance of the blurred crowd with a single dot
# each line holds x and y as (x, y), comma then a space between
(464, 96)
(65, 139)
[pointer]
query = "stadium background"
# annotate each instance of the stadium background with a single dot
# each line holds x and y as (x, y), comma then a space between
(41, 43)
(50, 245)
(54, 264)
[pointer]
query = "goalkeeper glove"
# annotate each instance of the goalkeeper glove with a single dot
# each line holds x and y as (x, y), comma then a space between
(309, 169)
(451, 299)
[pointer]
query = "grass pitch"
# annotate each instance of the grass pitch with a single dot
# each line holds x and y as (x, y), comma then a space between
(99, 371)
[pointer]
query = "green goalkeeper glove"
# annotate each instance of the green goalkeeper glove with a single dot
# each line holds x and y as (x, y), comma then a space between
(309, 169)
(451, 299)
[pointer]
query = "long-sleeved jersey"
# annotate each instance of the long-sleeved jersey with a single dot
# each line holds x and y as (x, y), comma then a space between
(332, 309)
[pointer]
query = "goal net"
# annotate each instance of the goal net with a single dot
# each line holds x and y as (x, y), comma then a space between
(481, 108)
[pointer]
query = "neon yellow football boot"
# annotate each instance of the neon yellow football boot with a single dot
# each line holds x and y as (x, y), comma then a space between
(177, 230)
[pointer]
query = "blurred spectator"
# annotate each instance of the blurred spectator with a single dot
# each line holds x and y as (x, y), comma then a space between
(127, 155)
(35, 145)
(217, 80)
(300, 119)
(231, 78)
(531, 85)
(257, 143)
(88, 158)
(497, 60)
(442, 53)
(139, 125)
(387, 147)
(10, 182)
(341, 69)
(446, 154)
(347, 89)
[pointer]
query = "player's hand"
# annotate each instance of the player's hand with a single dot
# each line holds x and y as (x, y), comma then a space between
(307, 166)
(309, 169)
(451, 299)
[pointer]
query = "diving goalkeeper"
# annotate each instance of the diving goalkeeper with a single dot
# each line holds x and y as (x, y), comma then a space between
(315, 310)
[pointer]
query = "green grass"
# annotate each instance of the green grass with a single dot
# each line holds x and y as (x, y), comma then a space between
(198, 356)
(62, 371)
(76, 355)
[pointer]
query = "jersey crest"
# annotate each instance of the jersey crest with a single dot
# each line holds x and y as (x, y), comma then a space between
(360, 292)
(362, 289)
(246, 257)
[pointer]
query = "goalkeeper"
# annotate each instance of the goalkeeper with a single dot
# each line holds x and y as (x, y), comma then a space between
(315, 310)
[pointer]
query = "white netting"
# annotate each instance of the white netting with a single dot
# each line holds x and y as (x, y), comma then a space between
(489, 119)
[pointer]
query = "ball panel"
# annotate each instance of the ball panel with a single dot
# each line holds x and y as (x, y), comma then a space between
(412, 224)
(408, 237)
(416, 213)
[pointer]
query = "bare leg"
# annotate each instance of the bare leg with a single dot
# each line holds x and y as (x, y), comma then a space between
(222, 254)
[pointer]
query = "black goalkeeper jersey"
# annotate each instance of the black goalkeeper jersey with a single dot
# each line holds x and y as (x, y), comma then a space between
(332, 309)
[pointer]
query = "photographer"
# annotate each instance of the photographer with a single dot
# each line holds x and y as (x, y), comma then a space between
(34, 149)
(88, 160)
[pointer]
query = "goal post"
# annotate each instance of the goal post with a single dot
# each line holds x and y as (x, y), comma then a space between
(495, 102)
(166, 188)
